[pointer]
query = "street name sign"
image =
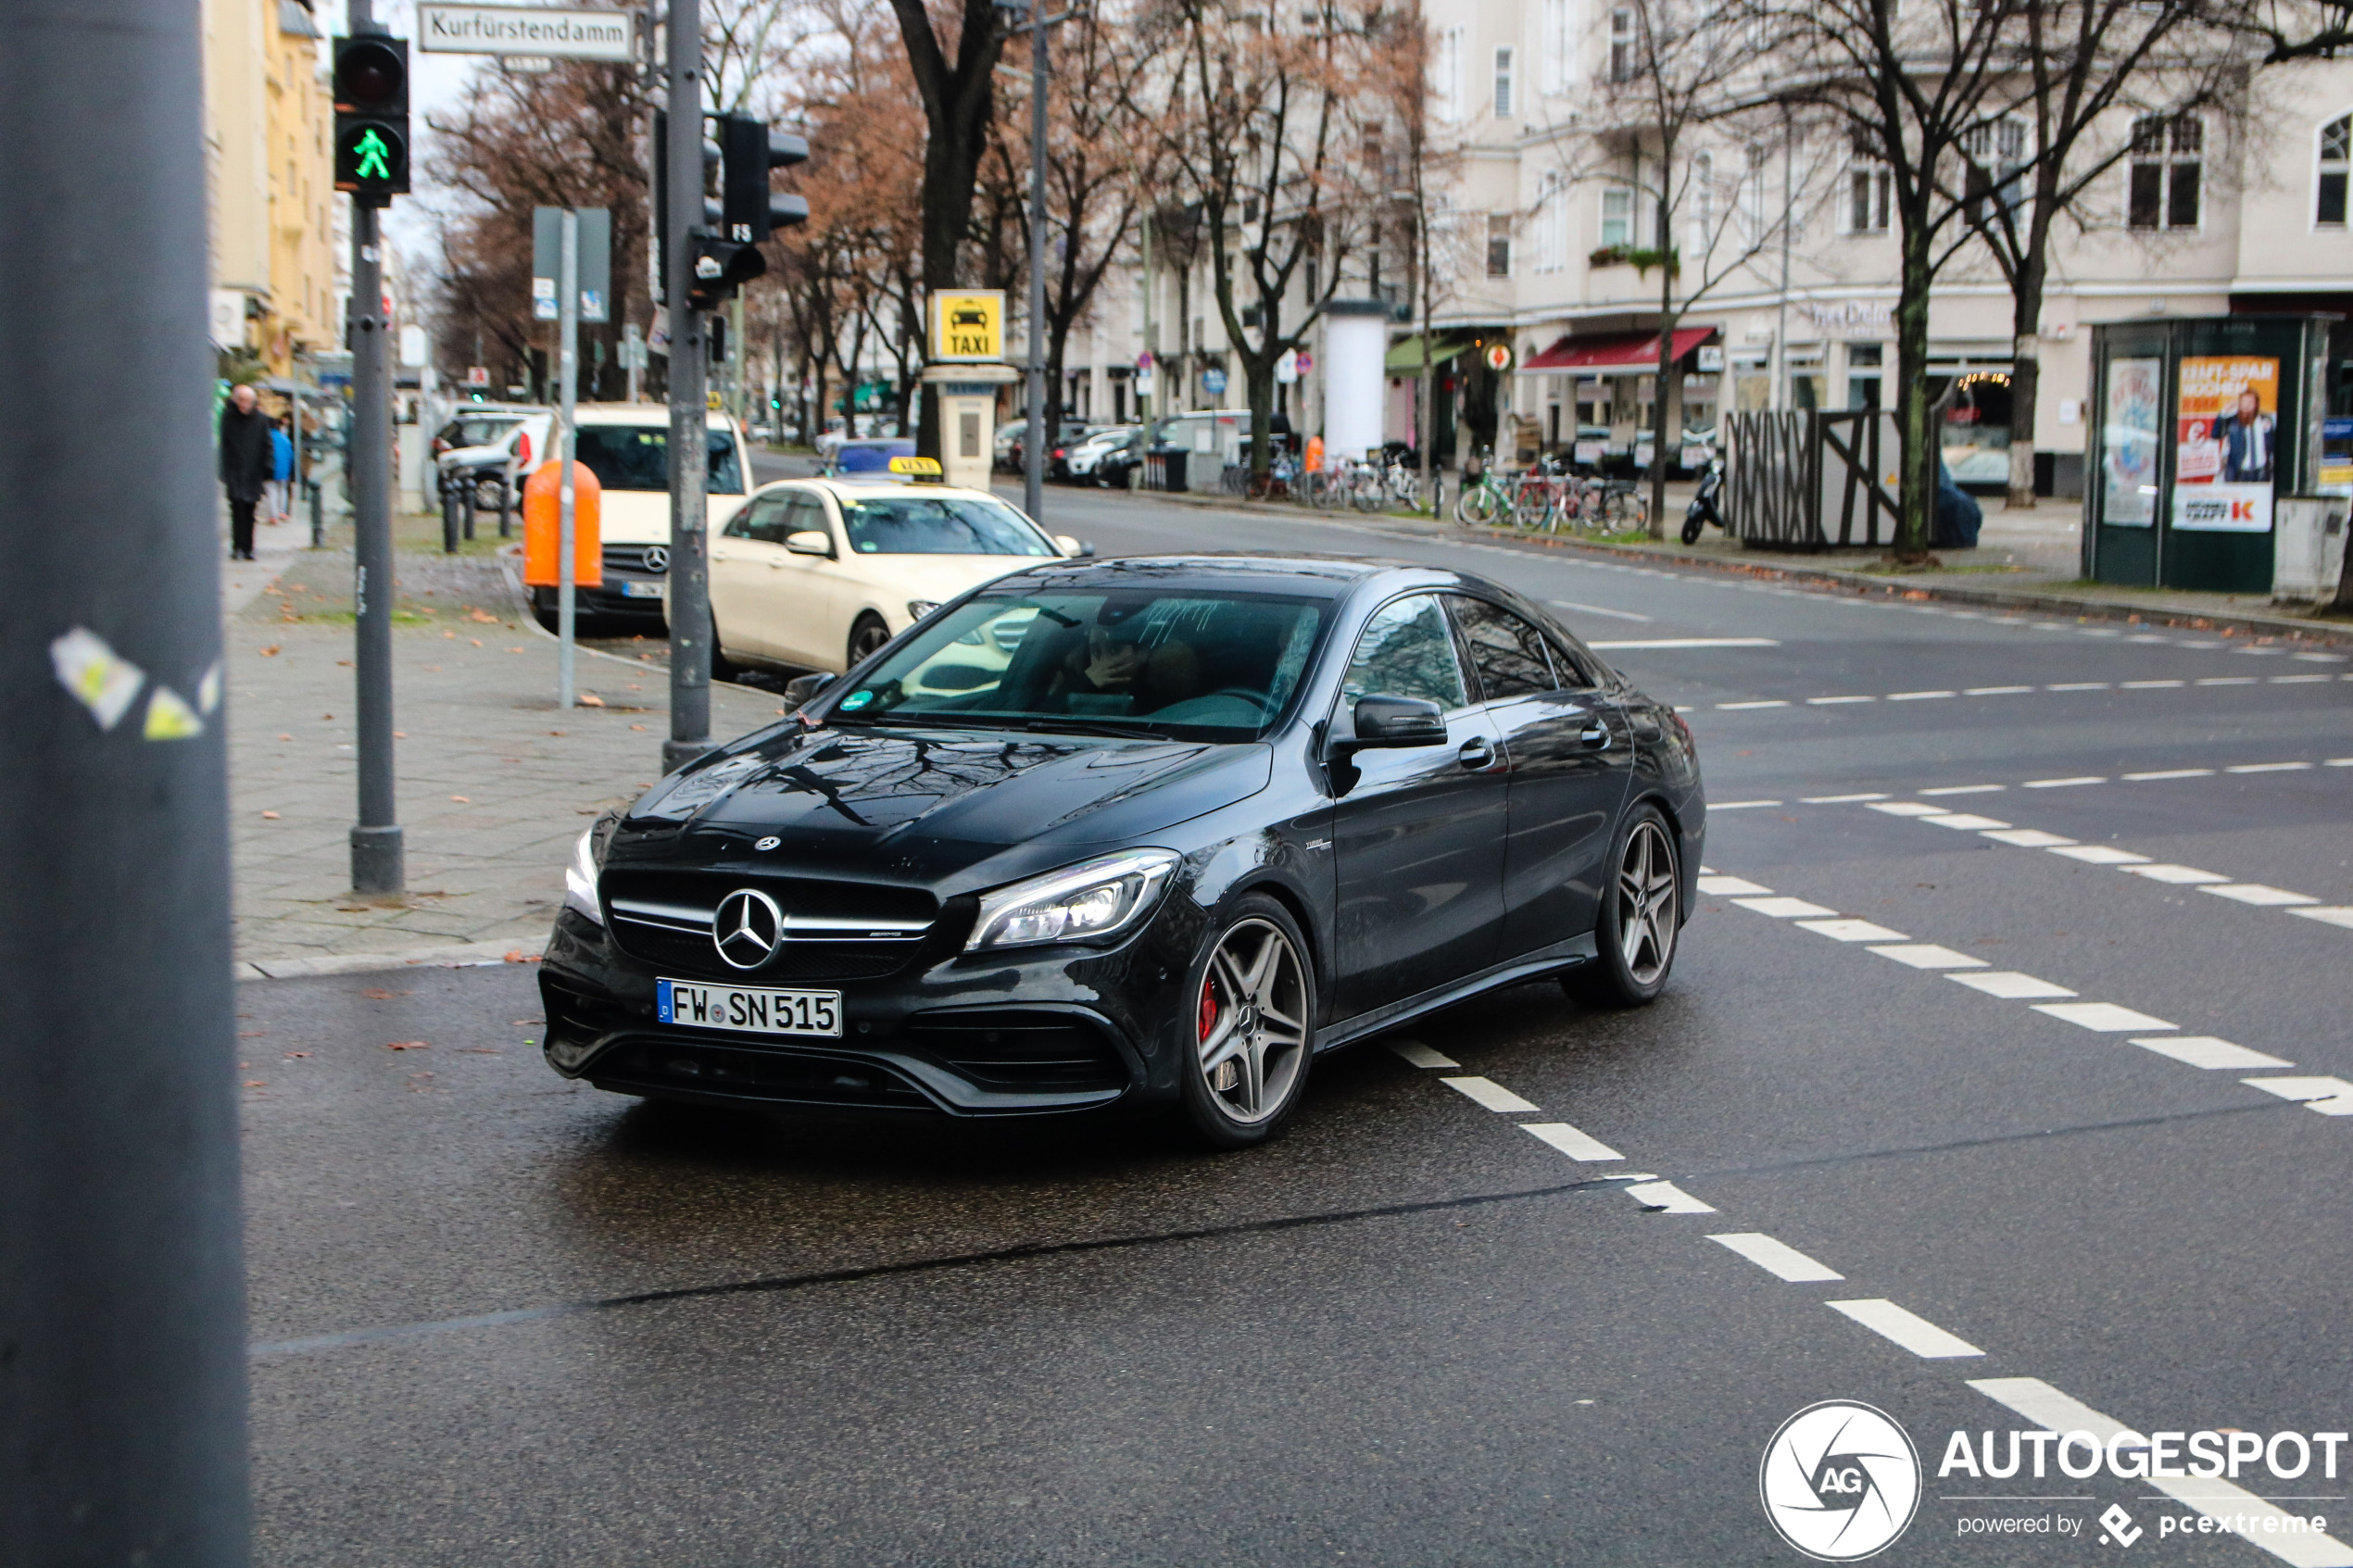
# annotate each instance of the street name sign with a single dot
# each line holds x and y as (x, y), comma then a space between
(544, 30)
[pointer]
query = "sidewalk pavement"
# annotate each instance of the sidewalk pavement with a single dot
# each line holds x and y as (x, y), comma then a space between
(495, 782)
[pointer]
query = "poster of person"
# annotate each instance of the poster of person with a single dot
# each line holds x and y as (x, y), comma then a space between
(2226, 422)
(2135, 391)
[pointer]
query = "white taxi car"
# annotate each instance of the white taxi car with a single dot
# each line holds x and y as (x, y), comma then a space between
(817, 574)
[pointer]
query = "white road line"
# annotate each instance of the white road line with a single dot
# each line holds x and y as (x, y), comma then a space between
(2180, 877)
(1691, 642)
(2330, 1097)
(2230, 681)
(1742, 707)
(1784, 909)
(2205, 1050)
(1489, 1093)
(2149, 685)
(1596, 609)
(1908, 1329)
(1851, 930)
(1928, 955)
(2101, 855)
(1666, 1197)
(2241, 1512)
(2106, 1018)
(1908, 808)
(1965, 821)
(1777, 1259)
(2320, 657)
(2268, 768)
(1994, 691)
(1829, 701)
(2336, 914)
(2010, 985)
(2295, 680)
(2170, 773)
(1847, 799)
(1727, 886)
(1415, 1054)
(2339, 761)
(2257, 893)
(1917, 697)
(1569, 1141)
(1963, 789)
(2063, 783)
(2028, 838)
(2077, 686)
(1738, 805)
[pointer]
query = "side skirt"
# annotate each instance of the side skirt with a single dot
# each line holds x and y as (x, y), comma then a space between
(1528, 966)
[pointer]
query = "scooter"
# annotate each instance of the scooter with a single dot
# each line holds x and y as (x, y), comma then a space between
(1702, 508)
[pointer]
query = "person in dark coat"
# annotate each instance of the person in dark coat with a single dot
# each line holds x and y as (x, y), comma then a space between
(246, 463)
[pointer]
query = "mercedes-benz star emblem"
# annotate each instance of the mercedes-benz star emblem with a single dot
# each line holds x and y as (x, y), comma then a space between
(657, 558)
(746, 928)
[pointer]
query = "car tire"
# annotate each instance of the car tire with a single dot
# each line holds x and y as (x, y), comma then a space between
(1252, 1020)
(1641, 918)
(721, 667)
(866, 634)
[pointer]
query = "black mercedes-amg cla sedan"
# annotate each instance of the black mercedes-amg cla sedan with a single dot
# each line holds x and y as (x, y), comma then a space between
(1141, 832)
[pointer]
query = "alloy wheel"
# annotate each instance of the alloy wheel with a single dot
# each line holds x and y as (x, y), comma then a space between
(866, 637)
(1644, 904)
(1253, 1021)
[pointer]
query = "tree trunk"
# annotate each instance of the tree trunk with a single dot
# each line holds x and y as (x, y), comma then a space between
(1057, 349)
(1258, 382)
(2026, 375)
(1916, 493)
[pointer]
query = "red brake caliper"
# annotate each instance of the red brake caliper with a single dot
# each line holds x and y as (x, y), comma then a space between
(1208, 1006)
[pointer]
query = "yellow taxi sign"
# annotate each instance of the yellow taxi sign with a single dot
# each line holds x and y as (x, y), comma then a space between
(968, 325)
(916, 468)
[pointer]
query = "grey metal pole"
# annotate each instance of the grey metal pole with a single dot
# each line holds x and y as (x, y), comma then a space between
(122, 1381)
(689, 575)
(632, 349)
(568, 360)
(1033, 486)
(376, 857)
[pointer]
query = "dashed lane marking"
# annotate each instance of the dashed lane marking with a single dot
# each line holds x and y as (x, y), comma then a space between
(1415, 1054)
(1728, 886)
(2106, 1018)
(2100, 855)
(1841, 799)
(2059, 687)
(1928, 955)
(2239, 1511)
(2267, 768)
(1963, 789)
(1739, 804)
(2170, 773)
(2257, 893)
(2009, 984)
(1777, 1259)
(1735, 707)
(1597, 610)
(1489, 1093)
(1666, 1197)
(2029, 838)
(1785, 908)
(1569, 1141)
(2208, 1052)
(1829, 701)
(2330, 1097)
(1919, 697)
(2075, 783)
(1908, 808)
(1907, 1328)
(1851, 930)
(1691, 642)
(2334, 914)
(1964, 822)
(2180, 876)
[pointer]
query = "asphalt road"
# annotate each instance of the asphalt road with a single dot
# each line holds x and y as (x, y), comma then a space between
(500, 1319)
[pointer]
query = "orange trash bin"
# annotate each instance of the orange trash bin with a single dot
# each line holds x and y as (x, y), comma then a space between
(543, 526)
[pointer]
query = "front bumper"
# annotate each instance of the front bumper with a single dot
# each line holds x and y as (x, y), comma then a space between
(613, 600)
(1032, 1032)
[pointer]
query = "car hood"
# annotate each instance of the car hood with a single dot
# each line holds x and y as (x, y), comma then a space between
(926, 804)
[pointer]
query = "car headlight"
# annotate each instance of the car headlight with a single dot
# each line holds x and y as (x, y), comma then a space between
(580, 877)
(918, 608)
(1082, 903)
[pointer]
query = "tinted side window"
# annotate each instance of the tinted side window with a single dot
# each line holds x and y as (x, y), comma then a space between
(1508, 652)
(1407, 651)
(1576, 674)
(806, 514)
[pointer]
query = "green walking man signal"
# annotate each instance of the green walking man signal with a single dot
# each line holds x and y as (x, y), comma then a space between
(371, 150)
(372, 117)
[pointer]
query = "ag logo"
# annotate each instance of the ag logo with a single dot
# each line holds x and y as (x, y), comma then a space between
(1840, 1480)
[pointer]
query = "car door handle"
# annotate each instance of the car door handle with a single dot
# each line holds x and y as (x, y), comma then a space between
(1476, 753)
(1595, 735)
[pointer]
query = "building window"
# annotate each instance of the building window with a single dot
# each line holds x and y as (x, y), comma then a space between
(1503, 83)
(1996, 152)
(1559, 49)
(1447, 71)
(2169, 154)
(1702, 204)
(1621, 46)
(1617, 217)
(1550, 240)
(1753, 220)
(1499, 244)
(2337, 159)
(1867, 182)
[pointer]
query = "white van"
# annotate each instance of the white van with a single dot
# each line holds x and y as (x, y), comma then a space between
(626, 445)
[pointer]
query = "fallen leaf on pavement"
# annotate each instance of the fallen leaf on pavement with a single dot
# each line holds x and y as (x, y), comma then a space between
(636, 726)
(378, 994)
(293, 1055)
(461, 800)
(286, 737)
(476, 641)
(514, 650)
(401, 735)
(451, 635)
(477, 1050)
(485, 620)
(271, 651)
(269, 816)
(587, 699)
(407, 1045)
(256, 1082)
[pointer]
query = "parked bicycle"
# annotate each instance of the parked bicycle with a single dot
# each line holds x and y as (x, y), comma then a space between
(1486, 500)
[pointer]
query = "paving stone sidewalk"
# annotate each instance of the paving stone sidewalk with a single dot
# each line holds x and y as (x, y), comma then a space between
(494, 781)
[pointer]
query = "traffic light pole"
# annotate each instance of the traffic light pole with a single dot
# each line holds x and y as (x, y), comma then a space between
(567, 360)
(122, 1337)
(1033, 483)
(376, 858)
(689, 575)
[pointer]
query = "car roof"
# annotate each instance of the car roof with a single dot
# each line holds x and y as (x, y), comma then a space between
(1313, 575)
(650, 416)
(878, 488)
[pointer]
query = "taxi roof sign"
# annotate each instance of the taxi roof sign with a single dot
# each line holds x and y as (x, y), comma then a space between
(917, 468)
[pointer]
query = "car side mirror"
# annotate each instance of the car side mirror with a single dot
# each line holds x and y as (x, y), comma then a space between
(809, 541)
(1385, 721)
(1075, 548)
(803, 690)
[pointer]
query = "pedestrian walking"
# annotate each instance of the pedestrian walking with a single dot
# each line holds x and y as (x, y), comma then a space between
(282, 468)
(246, 464)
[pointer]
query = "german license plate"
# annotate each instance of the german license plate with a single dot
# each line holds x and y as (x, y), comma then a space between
(633, 589)
(759, 1012)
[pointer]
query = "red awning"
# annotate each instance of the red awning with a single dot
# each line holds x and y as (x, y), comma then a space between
(1617, 354)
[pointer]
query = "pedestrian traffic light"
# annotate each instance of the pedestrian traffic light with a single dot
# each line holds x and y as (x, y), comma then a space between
(372, 118)
(749, 150)
(711, 210)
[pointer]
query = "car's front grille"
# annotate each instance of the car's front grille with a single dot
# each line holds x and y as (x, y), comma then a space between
(649, 1064)
(631, 558)
(832, 930)
(1021, 1050)
(576, 1020)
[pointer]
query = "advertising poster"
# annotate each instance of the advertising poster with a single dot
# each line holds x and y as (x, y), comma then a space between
(2225, 427)
(2336, 456)
(2135, 389)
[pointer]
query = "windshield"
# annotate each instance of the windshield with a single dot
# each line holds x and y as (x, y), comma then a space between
(1189, 665)
(939, 525)
(637, 458)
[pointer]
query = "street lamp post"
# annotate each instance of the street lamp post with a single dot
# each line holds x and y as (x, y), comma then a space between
(688, 604)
